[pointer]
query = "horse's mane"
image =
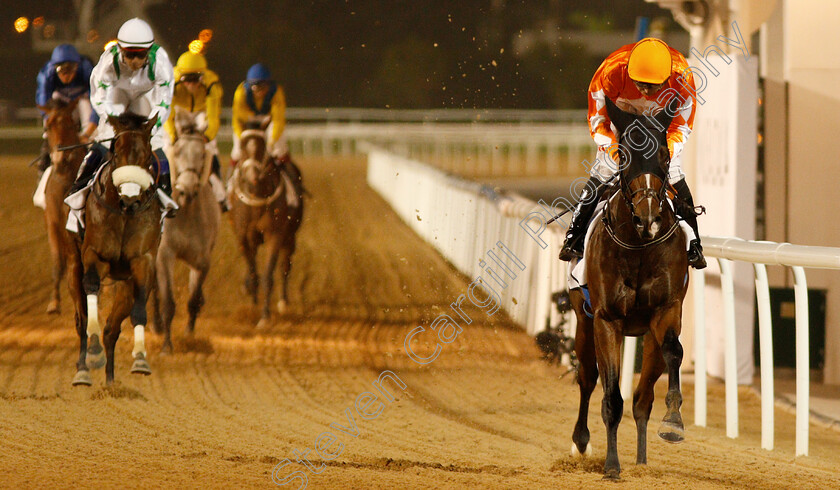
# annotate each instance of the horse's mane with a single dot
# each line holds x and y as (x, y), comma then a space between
(57, 104)
(131, 121)
(252, 125)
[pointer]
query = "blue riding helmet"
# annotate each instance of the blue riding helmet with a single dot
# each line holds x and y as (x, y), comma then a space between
(258, 73)
(64, 53)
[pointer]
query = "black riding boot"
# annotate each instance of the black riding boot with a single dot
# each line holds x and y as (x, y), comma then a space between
(573, 246)
(91, 163)
(685, 210)
(44, 162)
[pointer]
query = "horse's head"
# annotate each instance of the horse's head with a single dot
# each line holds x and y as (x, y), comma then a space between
(644, 161)
(189, 122)
(61, 127)
(132, 155)
(253, 145)
(189, 167)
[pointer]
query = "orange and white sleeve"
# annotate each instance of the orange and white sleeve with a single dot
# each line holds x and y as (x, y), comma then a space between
(683, 121)
(600, 87)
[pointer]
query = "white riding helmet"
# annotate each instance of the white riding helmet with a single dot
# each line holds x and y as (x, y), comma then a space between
(135, 33)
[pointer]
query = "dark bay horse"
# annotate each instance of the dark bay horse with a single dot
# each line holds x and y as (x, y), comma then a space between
(122, 232)
(264, 210)
(191, 235)
(61, 129)
(637, 272)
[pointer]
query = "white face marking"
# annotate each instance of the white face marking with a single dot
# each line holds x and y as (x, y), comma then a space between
(130, 189)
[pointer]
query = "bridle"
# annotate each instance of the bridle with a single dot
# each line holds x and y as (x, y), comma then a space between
(112, 162)
(263, 167)
(630, 200)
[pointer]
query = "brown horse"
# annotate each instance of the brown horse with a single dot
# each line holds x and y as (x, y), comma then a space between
(191, 235)
(62, 130)
(123, 221)
(637, 273)
(264, 209)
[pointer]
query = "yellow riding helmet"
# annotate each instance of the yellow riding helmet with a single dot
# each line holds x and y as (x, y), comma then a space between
(190, 62)
(650, 61)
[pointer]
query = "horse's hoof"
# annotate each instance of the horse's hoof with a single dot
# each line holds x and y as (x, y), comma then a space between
(82, 378)
(140, 365)
(612, 475)
(53, 308)
(281, 306)
(263, 323)
(95, 357)
(586, 454)
(671, 433)
(166, 349)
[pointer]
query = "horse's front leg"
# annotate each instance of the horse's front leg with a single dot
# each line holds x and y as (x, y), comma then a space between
(54, 236)
(165, 304)
(197, 277)
(273, 244)
(652, 366)
(123, 296)
(94, 269)
(587, 375)
(143, 272)
(608, 340)
(77, 293)
(249, 251)
(667, 334)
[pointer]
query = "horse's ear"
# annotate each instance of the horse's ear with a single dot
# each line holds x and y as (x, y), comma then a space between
(150, 124)
(619, 118)
(114, 121)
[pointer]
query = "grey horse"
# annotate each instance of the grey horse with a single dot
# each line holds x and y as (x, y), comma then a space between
(191, 235)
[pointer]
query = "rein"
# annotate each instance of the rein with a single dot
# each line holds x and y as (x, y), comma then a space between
(252, 200)
(628, 246)
(628, 200)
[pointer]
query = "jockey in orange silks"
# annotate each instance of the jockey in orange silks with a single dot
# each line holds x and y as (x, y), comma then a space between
(641, 78)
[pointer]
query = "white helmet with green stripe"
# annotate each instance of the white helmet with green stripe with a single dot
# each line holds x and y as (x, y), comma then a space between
(135, 33)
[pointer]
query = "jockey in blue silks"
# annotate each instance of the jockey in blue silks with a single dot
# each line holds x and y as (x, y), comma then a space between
(66, 76)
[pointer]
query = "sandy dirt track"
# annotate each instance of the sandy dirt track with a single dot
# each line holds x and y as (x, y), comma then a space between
(232, 402)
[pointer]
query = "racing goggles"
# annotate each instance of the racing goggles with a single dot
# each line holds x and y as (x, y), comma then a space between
(191, 77)
(139, 53)
(67, 67)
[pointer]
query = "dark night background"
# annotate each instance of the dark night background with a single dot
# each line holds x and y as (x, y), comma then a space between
(368, 53)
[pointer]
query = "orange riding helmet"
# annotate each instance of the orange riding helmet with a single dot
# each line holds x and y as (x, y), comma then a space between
(650, 61)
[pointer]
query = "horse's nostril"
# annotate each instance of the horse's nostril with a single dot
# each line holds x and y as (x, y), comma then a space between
(637, 221)
(657, 219)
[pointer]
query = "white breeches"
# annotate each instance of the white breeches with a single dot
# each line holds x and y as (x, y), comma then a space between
(137, 103)
(605, 167)
(276, 149)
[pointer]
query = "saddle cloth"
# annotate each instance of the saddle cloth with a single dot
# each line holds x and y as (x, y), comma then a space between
(577, 267)
(39, 199)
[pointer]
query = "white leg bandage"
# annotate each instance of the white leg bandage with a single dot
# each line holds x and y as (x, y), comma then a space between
(139, 341)
(93, 327)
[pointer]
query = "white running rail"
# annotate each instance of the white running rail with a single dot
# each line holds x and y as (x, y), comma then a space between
(462, 220)
(760, 254)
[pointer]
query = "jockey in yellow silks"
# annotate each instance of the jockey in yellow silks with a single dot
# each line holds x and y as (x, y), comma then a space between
(641, 78)
(260, 99)
(197, 91)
